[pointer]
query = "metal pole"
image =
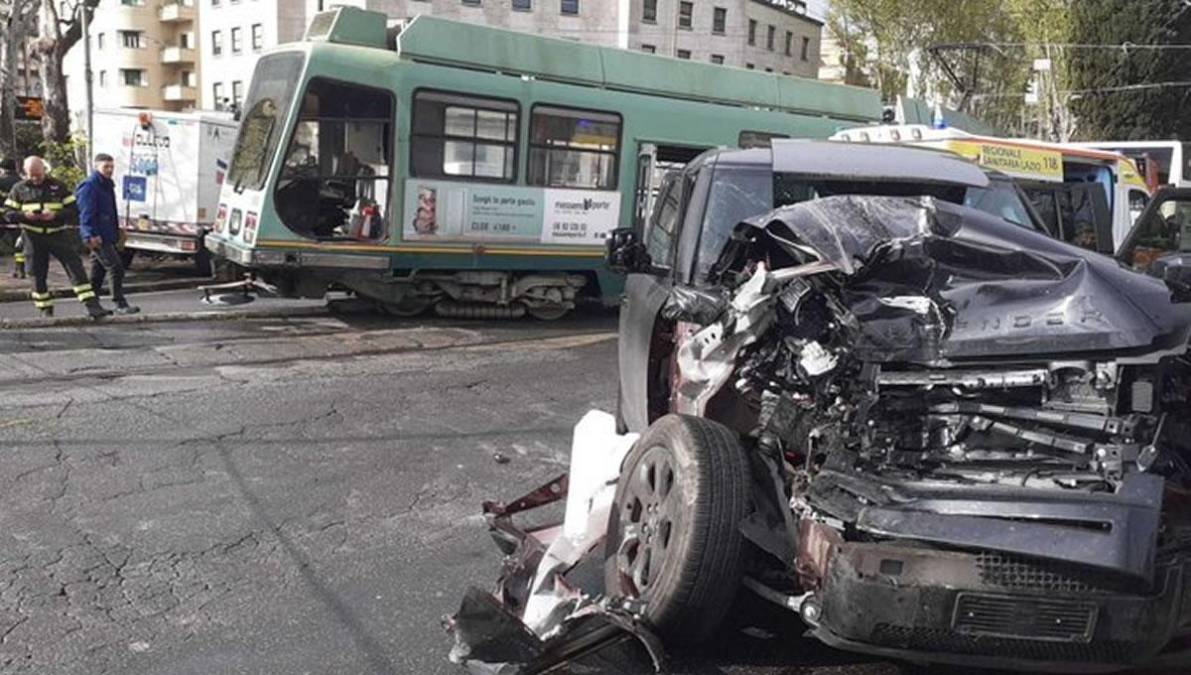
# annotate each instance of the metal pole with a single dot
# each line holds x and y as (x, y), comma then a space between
(87, 77)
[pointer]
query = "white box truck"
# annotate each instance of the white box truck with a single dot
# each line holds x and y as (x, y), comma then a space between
(169, 169)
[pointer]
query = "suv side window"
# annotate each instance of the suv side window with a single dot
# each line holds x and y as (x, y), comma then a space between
(666, 216)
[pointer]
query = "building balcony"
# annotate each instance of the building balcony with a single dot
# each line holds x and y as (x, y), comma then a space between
(179, 93)
(177, 55)
(176, 12)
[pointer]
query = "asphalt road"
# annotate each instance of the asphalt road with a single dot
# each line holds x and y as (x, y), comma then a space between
(289, 496)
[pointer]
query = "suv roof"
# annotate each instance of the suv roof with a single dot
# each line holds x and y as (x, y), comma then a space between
(855, 162)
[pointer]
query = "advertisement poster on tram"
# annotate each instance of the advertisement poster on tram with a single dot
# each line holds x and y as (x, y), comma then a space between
(446, 211)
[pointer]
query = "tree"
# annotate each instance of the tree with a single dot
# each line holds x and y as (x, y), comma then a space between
(58, 31)
(1125, 91)
(17, 22)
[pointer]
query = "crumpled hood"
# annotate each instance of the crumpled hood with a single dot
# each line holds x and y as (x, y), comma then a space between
(933, 281)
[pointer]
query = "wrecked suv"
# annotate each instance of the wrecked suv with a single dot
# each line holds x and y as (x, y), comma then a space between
(933, 433)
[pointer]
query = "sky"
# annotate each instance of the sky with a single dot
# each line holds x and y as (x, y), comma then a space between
(818, 8)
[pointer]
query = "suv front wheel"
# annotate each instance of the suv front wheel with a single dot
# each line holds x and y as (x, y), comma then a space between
(674, 538)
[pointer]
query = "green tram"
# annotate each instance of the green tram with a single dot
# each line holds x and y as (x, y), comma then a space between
(473, 169)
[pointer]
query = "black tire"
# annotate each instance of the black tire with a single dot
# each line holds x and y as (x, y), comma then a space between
(694, 475)
(127, 256)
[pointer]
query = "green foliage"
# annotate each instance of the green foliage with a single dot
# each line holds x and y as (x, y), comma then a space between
(1140, 113)
(67, 160)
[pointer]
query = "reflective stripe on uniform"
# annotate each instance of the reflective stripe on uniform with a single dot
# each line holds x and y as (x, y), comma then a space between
(42, 300)
(68, 201)
(53, 206)
(84, 292)
(12, 203)
(43, 230)
(35, 206)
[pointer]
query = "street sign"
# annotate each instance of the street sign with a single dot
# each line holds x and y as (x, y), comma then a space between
(29, 108)
(135, 188)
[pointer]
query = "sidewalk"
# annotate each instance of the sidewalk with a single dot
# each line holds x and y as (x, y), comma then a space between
(176, 305)
(145, 275)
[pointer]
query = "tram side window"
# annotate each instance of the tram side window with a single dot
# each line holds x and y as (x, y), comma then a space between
(335, 182)
(573, 148)
(757, 139)
(458, 136)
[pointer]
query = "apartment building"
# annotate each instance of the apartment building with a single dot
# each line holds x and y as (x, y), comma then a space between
(143, 55)
(234, 33)
(776, 36)
(773, 35)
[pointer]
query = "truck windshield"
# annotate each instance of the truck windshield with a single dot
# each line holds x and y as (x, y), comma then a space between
(273, 86)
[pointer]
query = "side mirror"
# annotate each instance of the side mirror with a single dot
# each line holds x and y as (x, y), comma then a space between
(625, 253)
(1175, 270)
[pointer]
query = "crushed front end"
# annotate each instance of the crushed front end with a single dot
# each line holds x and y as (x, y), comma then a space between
(983, 433)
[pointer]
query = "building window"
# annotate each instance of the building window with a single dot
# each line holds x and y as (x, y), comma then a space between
(471, 2)
(717, 59)
(649, 11)
(216, 42)
(258, 37)
(752, 31)
(214, 3)
(217, 94)
(649, 49)
(456, 135)
(131, 39)
(103, 78)
(686, 11)
(573, 148)
(237, 92)
(750, 66)
(132, 3)
(806, 49)
(523, 5)
(184, 40)
(133, 77)
(789, 43)
(769, 34)
(99, 41)
(237, 40)
(187, 78)
(569, 7)
(719, 20)
(684, 53)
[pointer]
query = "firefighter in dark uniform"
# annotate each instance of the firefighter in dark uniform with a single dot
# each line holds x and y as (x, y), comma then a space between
(45, 210)
(8, 178)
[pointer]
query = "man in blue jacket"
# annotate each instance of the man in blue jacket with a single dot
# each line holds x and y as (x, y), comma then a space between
(100, 229)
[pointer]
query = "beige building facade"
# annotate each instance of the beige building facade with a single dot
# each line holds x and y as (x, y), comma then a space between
(143, 55)
(776, 36)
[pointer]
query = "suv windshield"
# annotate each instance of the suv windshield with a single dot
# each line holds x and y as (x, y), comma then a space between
(739, 193)
(273, 86)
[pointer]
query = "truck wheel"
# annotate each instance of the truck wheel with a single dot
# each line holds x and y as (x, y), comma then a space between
(127, 256)
(674, 538)
(202, 262)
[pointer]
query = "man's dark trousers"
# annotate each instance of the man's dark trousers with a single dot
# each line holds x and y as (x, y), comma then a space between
(61, 245)
(107, 259)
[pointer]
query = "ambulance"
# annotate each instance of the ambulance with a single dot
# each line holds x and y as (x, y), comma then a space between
(169, 170)
(1085, 196)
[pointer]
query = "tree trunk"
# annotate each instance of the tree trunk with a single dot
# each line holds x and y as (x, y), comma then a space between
(55, 120)
(58, 34)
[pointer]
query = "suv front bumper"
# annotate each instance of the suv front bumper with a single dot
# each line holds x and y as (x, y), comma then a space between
(1001, 611)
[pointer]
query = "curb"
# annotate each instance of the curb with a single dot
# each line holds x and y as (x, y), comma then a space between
(227, 315)
(22, 295)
